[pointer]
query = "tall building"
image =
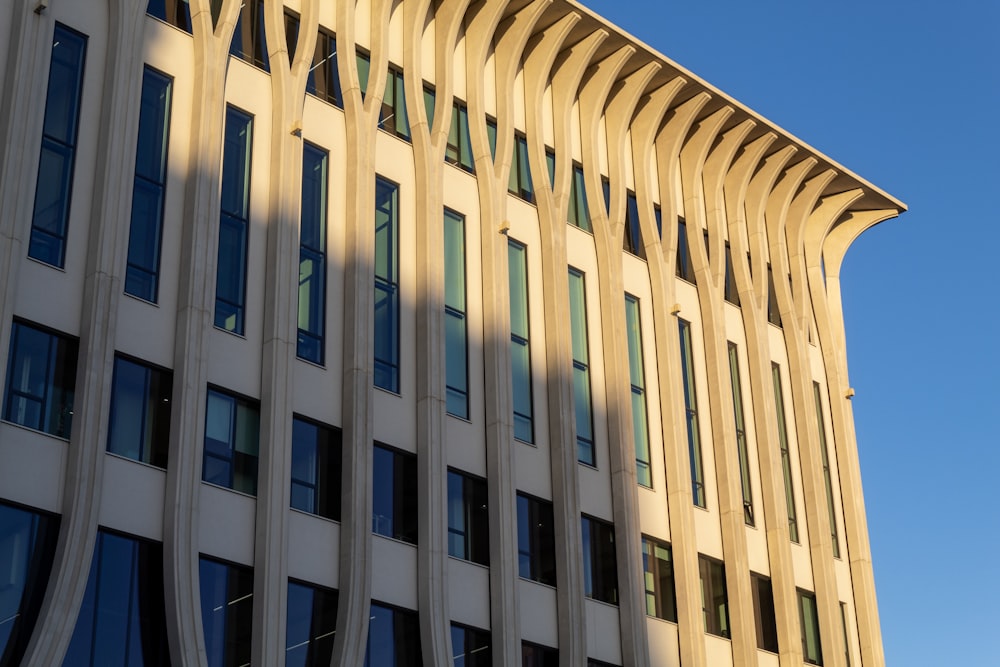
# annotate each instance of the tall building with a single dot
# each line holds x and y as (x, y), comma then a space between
(399, 332)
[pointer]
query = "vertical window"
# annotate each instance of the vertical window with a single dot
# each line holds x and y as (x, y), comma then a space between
(122, 619)
(812, 652)
(715, 605)
(536, 542)
(312, 255)
(786, 458)
(459, 148)
(41, 373)
(741, 433)
(691, 412)
(827, 475)
(468, 518)
(606, 189)
(386, 342)
(658, 216)
(520, 172)
(847, 642)
(456, 326)
(470, 647)
(234, 223)
(316, 468)
(232, 428)
(658, 575)
(637, 375)
(175, 12)
(685, 267)
(394, 495)
(579, 211)
(533, 655)
(581, 369)
(393, 638)
(364, 63)
(600, 564)
(139, 426)
(430, 103)
(226, 612)
(491, 135)
(632, 241)
(550, 165)
(392, 117)
(773, 311)
(324, 79)
(731, 291)
(27, 546)
(60, 126)
(520, 350)
(763, 607)
(311, 624)
(249, 43)
(146, 227)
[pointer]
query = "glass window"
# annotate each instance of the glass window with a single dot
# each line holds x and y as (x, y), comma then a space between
(606, 190)
(533, 655)
(827, 475)
(311, 625)
(312, 255)
(731, 291)
(455, 324)
(763, 607)
(364, 63)
(786, 457)
(600, 564)
(386, 342)
(581, 369)
(773, 309)
(491, 135)
(579, 211)
(146, 227)
(175, 12)
(550, 165)
(684, 268)
(316, 468)
(741, 433)
(27, 547)
(41, 373)
(691, 411)
(122, 620)
(60, 126)
(715, 605)
(392, 116)
(394, 495)
(847, 642)
(231, 439)
(470, 647)
(468, 518)
(658, 575)
(226, 612)
(393, 638)
(139, 426)
(234, 223)
(536, 542)
(459, 148)
(632, 241)
(520, 349)
(812, 651)
(520, 172)
(324, 78)
(637, 375)
(249, 43)
(658, 215)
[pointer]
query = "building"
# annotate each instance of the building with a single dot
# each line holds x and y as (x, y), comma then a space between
(504, 340)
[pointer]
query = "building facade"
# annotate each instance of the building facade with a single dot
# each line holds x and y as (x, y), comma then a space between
(400, 332)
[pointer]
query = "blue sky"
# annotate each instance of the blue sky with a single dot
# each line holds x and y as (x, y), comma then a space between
(906, 95)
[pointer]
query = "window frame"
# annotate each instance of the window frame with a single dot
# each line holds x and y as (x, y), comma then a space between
(683, 263)
(812, 653)
(586, 440)
(403, 522)
(632, 242)
(326, 489)
(237, 611)
(393, 116)
(637, 380)
(712, 574)
(784, 447)
(237, 222)
(660, 603)
(55, 403)
(766, 624)
(251, 12)
(386, 343)
(520, 183)
(311, 339)
(600, 561)
(578, 212)
(318, 647)
(455, 311)
(827, 471)
(698, 488)
(155, 442)
(520, 333)
(403, 654)
(472, 640)
(239, 462)
(468, 502)
(537, 556)
(742, 451)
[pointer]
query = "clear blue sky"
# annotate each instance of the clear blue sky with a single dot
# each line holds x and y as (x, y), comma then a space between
(907, 95)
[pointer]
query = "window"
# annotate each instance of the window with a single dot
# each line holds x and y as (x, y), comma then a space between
(312, 255)
(386, 342)
(393, 638)
(579, 211)
(658, 216)
(691, 410)
(519, 183)
(637, 375)
(316, 468)
(741, 433)
(533, 655)
(249, 43)
(685, 267)
(550, 165)
(592, 662)
(658, 575)
(364, 63)
(600, 565)
(324, 79)
(731, 291)
(773, 311)
(394, 495)
(713, 596)
(827, 475)
(470, 647)
(392, 117)
(606, 189)
(311, 625)
(122, 620)
(581, 369)
(786, 457)
(847, 642)
(60, 126)
(468, 518)
(226, 612)
(812, 652)
(763, 608)
(149, 187)
(41, 374)
(175, 12)
(520, 350)
(139, 426)
(231, 439)
(491, 136)
(536, 542)
(459, 148)
(632, 241)
(234, 223)
(27, 547)
(455, 324)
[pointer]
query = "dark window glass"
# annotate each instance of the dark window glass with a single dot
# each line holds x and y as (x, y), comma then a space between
(430, 102)
(827, 474)
(392, 116)
(684, 268)
(715, 604)
(536, 542)
(312, 624)
(364, 64)
(491, 135)
(637, 375)
(741, 433)
(812, 651)
(691, 412)
(658, 215)
(470, 647)
(579, 211)
(41, 373)
(139, 426)
(786, 456)
(592, 662)
(658, 573)
(394, 495)
(533, 655)
(393, 638)
(606, 189)
(550, 165)
(234, 223)
(312, 255)
(520, 172)
(146, 227)
(58, 154)
(847, 642)
(324, 78)
(175, 12)
(763, 606)
(232, 428)
(459, 148)
(632, 241)
(122, 620)
(468, 518)
(455, 324)
(226, 612)
(249, 43)
(27, 546)
(731, 291)
(316, 468)
(520, 348)
(386, 342)
(583, 403)
(600, 568)
(773, 310)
